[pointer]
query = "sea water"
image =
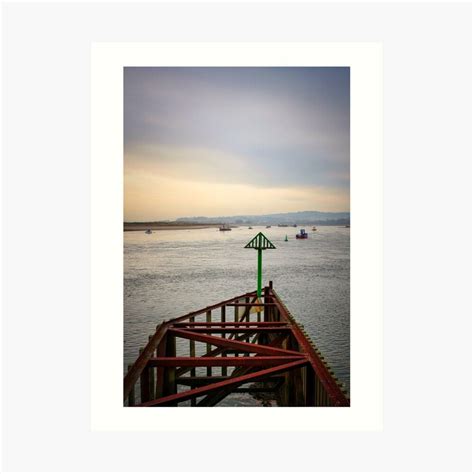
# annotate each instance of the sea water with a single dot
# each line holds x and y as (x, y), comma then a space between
(171, 272)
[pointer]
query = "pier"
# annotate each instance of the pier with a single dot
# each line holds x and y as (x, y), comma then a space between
(246, 344)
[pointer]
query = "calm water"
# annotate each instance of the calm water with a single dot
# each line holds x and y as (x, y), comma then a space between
(169, 273)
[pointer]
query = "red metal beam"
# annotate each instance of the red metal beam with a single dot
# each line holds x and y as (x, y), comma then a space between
(232, 344)
(250, 304)
(256, 361)
(236, 381)
(214, 306)
(229, 323)
(213, 352)
(232, 330)
(200, 381)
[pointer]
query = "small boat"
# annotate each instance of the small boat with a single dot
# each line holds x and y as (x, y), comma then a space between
(224, 227)
(302, 234)
(250, 227)
(314, 229)
(148, 231)
(348, 226)
(286, 238)
(269, 226)
(294, 225)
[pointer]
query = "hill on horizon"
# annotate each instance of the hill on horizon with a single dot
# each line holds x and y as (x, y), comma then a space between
(288, 218)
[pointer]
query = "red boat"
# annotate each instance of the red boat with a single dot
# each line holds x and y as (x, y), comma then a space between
(302, 234)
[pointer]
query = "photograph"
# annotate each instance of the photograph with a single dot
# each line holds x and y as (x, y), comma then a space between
(236, 236)
(230, 205)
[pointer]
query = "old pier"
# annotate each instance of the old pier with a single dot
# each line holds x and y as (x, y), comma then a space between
(242, 341)
(249, 343)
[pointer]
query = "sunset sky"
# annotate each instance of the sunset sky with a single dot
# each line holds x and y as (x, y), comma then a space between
(227, 141)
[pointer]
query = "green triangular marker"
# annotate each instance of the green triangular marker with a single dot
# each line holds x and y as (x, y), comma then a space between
(259, 243)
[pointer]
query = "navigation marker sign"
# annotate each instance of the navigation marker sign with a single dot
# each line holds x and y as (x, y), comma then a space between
(259, 243)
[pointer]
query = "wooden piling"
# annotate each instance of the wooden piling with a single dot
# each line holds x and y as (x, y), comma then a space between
(151, 377)
(266, 308)
(144, 383)
(131, 396)
(291, 380)
(273, 312)
(160, 371)
(170, 387)
(247, 300)
(299, 386)
(319, 392)
(224, 369)
(192, 353)
(208, 346)
(310, 386)
(192, 349)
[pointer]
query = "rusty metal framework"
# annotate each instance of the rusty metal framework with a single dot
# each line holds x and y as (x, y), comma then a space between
(237, 345)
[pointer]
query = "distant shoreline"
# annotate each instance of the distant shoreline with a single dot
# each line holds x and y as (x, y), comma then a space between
(127, 227)
(142, 226)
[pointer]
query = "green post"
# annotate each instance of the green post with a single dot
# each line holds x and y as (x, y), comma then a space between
(259, 273)
(259, 243)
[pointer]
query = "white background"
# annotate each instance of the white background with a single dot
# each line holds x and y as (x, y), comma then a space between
(427, 211)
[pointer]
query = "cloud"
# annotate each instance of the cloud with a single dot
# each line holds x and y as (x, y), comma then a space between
(153, 197)
(261, 131)
(261, 169)
(238, 109)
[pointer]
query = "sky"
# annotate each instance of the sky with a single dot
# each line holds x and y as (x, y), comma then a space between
(235, 141)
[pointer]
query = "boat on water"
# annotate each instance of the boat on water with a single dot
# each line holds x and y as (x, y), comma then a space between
(224, 227)
(250, 227)
(314, 229)
(294, 225)
(148, 231)
(286, 238)
(269, 226)
(302, 235)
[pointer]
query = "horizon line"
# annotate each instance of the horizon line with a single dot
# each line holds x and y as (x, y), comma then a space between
(233, 215)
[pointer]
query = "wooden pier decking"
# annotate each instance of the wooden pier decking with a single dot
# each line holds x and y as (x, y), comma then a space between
(232, 344)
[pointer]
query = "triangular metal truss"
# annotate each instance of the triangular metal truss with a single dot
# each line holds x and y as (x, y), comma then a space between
(260, 242)
(273, 355)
